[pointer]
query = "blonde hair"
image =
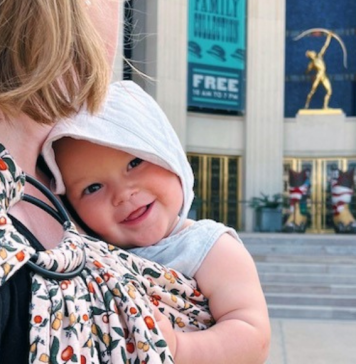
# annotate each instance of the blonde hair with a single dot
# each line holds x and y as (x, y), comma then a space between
(53, 61)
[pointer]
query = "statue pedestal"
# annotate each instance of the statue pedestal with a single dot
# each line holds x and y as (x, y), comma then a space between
(320, 112)
(319, 133)
(321, 116)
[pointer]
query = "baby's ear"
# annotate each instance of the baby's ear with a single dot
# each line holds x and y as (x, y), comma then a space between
(52, 185)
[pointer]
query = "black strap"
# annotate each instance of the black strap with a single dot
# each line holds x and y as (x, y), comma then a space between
(60, 214)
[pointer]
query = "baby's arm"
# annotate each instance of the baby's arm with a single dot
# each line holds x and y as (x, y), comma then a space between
(228, 278)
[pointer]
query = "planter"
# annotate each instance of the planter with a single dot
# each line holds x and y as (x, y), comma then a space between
(268, 219)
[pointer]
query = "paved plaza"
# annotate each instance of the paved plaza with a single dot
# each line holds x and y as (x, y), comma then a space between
(297, 341)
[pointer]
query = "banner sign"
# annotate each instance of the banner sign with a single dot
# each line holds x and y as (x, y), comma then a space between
(216, 54)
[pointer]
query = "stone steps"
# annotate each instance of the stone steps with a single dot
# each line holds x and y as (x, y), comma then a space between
(309, 289)
(314, 250)
(312, 312)
(306, 276)
(330, 300)
(297, 239)
(316, 268)
(331, 259)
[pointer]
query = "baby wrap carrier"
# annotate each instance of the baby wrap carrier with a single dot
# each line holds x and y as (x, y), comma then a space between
(103, 314)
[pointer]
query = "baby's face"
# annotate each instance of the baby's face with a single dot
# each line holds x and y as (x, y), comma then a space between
(128, 202)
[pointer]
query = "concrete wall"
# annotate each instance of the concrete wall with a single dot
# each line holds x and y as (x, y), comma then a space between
(320, 136)
(209, 134)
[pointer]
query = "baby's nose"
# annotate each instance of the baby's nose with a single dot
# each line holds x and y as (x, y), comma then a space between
(122, 195)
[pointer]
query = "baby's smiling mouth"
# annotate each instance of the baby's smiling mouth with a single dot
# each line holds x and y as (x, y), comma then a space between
(137, 213)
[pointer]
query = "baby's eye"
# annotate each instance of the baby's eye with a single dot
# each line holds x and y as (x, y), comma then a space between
(92, 188)
(135, 162)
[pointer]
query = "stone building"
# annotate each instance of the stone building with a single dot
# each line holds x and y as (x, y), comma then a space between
(244, 131)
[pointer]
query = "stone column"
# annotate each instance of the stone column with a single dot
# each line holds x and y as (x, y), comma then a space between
(263, 158)
(162, 49)
(117, 73)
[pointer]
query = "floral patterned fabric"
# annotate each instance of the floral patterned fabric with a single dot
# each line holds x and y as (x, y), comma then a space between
(103, 315)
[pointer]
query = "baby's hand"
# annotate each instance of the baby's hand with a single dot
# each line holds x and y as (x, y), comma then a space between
(167, 330)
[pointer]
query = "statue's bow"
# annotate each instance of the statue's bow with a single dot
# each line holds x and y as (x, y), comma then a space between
(313, 30)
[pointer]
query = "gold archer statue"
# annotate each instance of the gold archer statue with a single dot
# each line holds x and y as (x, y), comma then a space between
(317, 63)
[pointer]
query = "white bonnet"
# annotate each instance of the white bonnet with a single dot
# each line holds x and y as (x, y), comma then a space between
(130, 120)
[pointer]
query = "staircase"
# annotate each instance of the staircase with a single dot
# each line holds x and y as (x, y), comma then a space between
(306, 276)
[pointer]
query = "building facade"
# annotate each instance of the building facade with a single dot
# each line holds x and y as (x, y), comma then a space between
(239, 154)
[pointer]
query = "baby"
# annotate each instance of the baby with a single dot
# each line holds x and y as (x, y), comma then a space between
(126, 175)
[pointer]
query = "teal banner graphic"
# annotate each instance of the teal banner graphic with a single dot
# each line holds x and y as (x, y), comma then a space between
(216, 54)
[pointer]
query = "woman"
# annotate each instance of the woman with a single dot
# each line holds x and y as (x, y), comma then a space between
(88, 302)
(52, 64)
(38, 42)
